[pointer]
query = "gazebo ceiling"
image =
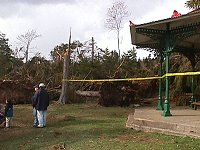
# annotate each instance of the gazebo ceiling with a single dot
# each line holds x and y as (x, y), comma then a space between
(184, 32)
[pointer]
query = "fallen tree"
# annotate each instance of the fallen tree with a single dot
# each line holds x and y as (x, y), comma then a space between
(88, 93)
(19, 91)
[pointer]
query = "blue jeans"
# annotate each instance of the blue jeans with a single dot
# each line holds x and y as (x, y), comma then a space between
(35, 123)
(42, 115)
(8, 122)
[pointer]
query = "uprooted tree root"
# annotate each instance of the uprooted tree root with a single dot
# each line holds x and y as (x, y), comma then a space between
(20, 92)
(117, 94)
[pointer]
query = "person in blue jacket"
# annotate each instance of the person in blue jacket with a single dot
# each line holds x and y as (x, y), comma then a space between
(41, 102)
(8, 113)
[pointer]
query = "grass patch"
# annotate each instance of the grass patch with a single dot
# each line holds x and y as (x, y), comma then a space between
(85, 127)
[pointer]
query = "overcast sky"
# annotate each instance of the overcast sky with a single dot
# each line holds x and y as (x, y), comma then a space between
(52, 19)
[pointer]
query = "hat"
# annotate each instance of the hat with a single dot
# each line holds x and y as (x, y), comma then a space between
(41, 85)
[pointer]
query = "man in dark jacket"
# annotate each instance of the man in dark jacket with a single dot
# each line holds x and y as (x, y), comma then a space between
(41, 102)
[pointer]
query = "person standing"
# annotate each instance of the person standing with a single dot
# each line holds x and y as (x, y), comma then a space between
(41, 103)
(8, 113)
(35, 122)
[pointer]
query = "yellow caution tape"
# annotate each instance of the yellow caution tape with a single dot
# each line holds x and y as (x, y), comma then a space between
(135, 79)
(182, 74)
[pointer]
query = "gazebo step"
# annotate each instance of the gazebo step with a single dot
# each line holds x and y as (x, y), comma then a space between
(167, 126)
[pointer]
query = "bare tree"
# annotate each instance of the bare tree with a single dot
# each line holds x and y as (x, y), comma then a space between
(25, 41)
(115, 18)
(64, 96)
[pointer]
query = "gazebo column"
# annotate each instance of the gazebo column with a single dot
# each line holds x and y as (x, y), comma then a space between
(160, 103)
(193, 87)
(168, 49)
(166, 111)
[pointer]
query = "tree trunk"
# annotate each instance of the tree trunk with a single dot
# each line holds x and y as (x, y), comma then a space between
(63, 96)
(92, 49)
(26, 53)
(118, 44)
(65, 93)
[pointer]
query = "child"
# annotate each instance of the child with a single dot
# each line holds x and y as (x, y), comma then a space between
(8, 113)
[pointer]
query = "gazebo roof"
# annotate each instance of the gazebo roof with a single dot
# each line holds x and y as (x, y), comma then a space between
(184, 30)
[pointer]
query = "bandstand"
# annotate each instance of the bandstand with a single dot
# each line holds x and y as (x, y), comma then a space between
(179, 34)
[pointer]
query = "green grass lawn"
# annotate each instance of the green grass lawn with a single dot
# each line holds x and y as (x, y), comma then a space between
(85, 127)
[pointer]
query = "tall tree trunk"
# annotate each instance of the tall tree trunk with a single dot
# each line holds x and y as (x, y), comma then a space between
(65, 92)
(118, 43)
(92, 49)
(26, 53)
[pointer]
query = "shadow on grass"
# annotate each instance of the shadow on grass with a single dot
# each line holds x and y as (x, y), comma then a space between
(80, 121)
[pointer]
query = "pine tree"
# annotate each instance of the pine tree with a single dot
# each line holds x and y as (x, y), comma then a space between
(193, 4)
